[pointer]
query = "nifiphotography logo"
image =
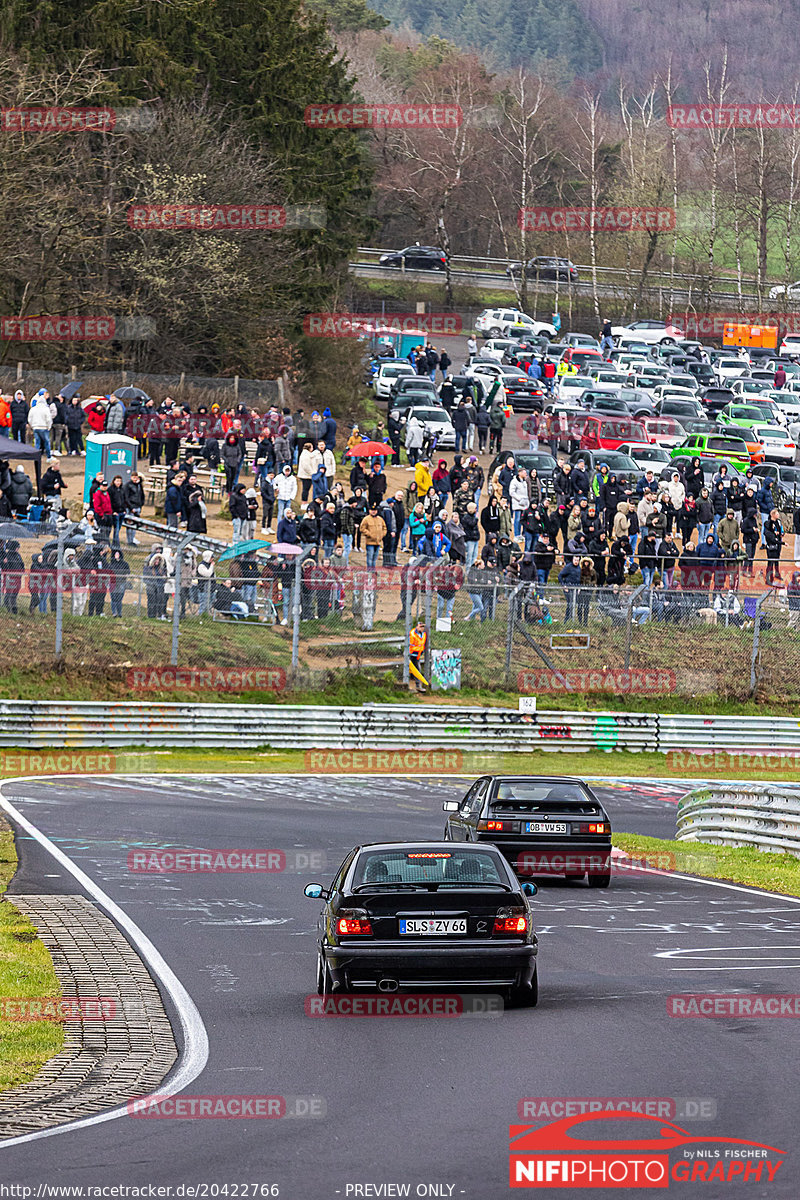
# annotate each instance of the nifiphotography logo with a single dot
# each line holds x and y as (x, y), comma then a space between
(605, 1149)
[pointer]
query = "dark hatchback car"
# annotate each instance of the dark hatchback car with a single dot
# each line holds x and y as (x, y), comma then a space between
(426, 915)
(714, 399)
(415, 258)
(546, 268)
(543, 825)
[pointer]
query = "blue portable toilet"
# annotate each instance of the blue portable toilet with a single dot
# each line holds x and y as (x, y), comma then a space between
(111, 453)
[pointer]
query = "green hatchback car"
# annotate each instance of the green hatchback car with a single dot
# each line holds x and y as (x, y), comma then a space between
(745, 416)
(715, 445)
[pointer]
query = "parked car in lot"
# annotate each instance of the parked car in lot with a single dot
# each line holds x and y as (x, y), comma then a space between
(495, 322)
(412, 383)
(743, 415)
(745, 387)
(663, 431)
(543, 267)
(651, 333)
(715, 445)
(387, 373)
(680, 410)
(702, 372)
(435, 420)
(777, 443)
(426, 916)
(609, 432)
(790, 291)
(790, 345)
(729, 369)
(531, 460)
(496, 347)
(523, 393)
(544, 825)
(404, 403)
(714, 399)
(572, 386)
(415, 258)
(785, 484)
(615, 460)
(646, 456)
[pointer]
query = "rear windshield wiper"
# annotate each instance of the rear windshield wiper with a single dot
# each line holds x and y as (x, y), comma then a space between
(398, 887)
(455, 883)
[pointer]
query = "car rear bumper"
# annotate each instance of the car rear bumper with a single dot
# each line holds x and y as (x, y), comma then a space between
(531, 859)
(435, 964)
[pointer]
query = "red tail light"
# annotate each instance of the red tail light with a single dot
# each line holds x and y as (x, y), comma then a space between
(511, 922)
(598, 827)
(354, 925)
(496, 826)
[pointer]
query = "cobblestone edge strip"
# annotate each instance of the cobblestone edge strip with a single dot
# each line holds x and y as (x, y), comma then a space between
(105, 1062)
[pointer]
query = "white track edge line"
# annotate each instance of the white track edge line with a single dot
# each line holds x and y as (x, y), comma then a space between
(194, 1056)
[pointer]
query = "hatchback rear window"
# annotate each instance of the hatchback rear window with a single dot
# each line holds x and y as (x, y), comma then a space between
(529, 796)
(427, 867)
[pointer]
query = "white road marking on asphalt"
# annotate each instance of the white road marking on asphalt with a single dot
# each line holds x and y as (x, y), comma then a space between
(194, 1055)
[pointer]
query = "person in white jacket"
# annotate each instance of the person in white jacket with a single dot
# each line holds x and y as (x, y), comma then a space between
(307, 464)
(206, 571)
(40, 419)
(285, 486)
(415, 435)
(520, 500)
(327, 457)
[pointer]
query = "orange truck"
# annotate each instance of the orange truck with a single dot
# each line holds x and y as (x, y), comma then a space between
(749, 336)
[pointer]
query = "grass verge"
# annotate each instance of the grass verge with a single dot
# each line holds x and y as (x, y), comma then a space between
(433, 763)
(753, 868)
(26, 972)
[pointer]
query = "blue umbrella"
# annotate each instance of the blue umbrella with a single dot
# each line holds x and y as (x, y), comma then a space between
(244, 548)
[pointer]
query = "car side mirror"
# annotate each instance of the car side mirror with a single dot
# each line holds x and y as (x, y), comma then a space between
(451, 806)
(529, 889)
(315, 891)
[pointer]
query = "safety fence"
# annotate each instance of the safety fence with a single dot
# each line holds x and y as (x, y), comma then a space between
(765, 817)
(87, 724)
(428, 624)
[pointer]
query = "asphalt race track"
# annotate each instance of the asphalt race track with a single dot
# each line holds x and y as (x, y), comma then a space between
(410, 1101)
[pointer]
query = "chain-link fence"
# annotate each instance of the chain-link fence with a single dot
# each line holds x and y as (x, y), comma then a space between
(259, 622)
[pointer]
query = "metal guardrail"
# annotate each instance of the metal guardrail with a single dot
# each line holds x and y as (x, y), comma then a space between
(656, 278)
(85, 724)
(765, 817)
(692, 732)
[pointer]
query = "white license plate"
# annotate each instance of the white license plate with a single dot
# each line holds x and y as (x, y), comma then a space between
(432, 926)
(545, 827)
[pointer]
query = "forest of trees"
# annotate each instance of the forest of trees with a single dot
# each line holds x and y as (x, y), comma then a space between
(226, 87)
(507, 32)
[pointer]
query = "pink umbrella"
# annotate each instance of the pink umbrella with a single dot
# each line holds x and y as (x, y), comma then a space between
(366, 449)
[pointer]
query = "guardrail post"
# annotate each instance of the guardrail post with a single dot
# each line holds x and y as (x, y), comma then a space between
(176, 599)
(629, 625)
(408, 624)
(756, 644)
(512, 618)
(62, 537)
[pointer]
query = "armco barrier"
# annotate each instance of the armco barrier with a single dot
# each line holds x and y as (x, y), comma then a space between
(692, 732)
(394, 726)
(765, 817)
(83, 724)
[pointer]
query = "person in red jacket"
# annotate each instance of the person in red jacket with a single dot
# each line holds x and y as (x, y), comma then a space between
(101, 506)
(5, 417)
(96, 414)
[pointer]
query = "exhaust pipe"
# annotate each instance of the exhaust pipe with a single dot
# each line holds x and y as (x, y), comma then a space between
(388, 985)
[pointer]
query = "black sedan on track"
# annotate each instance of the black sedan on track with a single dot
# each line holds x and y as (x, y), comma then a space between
(426, 916)
(543, 825)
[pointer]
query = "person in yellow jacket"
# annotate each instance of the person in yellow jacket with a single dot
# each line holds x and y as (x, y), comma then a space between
(423, 477)
(417, 641)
